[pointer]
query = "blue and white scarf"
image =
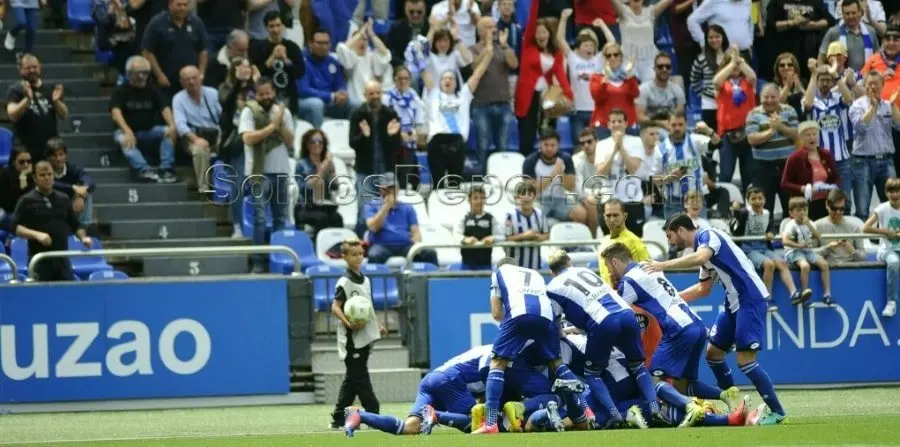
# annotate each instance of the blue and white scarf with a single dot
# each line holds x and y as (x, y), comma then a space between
(867, 38)
(416, 54)
(406, 105)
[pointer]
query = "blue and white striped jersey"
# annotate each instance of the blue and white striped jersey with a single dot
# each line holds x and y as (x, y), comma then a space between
(583, 297)
(656, 295)
(467, 366)
(834, 121)
(572, 348)
(731, 266)
(688, 155)
(522, 291)
(517, 223)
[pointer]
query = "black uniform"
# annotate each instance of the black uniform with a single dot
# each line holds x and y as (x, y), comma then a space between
(479, 227)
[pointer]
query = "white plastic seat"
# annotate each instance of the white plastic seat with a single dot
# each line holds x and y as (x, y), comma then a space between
(571, 231)
(505, 166)
(300, 128)
(417, 202)
(653, 232)
(734, 193)
(338, 133)
(327, 238)
(437, 234)
(446, 207)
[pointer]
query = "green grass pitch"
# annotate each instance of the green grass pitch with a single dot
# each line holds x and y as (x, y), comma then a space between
(834, 417)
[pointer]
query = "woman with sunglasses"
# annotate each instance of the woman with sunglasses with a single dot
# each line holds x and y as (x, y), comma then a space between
(315, 176)
(705, 67)
(616, 88)
(638, 25)
(15, 181)
(787, 78)
(233, 94)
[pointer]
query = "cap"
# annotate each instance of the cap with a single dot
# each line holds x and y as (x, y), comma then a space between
(386, 180)
(836, 47)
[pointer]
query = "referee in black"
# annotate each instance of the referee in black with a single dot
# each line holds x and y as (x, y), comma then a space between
(45, 217)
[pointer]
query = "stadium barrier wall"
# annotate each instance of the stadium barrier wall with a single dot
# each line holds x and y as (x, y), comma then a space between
(142, 339)
(846, 344)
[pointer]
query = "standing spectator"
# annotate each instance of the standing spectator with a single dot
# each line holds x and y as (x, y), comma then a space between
(771, 130)
(704, 69)
(582, 62)
(141, 11)
(448, 118)
(615, 89)
(506, 20)
(684, 46)
(404, 30)
(114, 32)
(885, 221)
(586, 177)
(45, 217)
(735, 85)
(26, 14)
(143, 119)
(837, 61)
(491, 111)
(34, 107)
(660, 96)
(323, 88)
(734, 16)
(405, 102)
(590, 13)
(871, 12)
(539, 63)
(238, 88)
(197, 113)
(280, 60)
(526, 224)
(446, 53)
(15, 181)
(614, 216)
(650, 166)
(71, 180)
(480, 228)
(173, 40)
(222, 17)
(797, 238)
(787, 78)
(375, 136)
(553, 176)
(363, 64)
(618, 157)
(315, 176)
(873, 148)
(237, 44)
(797, 27)
(461, 13)
(885, 61)
(682, 161)
(637, 25)
(842, 251)
(393, 226)
(854, 34)
(810, 172)
(257, 24)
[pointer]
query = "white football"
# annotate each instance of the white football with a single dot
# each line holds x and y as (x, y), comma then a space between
(358, 308)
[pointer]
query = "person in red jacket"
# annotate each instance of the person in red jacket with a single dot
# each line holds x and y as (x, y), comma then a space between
(616, 88)
(810, 172)
(540, 64)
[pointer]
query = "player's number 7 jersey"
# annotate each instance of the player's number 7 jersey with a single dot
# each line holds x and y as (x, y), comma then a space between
(522, 291)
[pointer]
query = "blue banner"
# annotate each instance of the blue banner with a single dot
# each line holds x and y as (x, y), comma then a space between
(127, 340)
(848, 343)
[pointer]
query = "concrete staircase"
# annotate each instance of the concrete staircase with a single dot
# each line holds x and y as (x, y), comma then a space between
(127, 213)
(392, 379)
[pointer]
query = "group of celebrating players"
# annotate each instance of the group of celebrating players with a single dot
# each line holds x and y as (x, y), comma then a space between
(569, 354)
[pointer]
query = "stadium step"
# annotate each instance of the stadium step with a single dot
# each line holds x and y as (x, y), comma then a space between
(140, 192)
(386, 354)
(47, 54)
(85, 105)
(169, 243)
(54, 71)
(71, 87)
(196, 266)
(391, 385)
(163, 228)
(88, 122)
(96, 156)
(110, 175)
(93, 140)
(162, 210)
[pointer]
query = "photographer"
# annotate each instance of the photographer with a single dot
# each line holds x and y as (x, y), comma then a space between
(280, 60)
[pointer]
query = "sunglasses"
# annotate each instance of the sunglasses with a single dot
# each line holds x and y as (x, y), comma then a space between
(609, 55)
(316, 141)
(836, 209)
(664, 67)
(786, 65)
(26, 161)
(586, 142)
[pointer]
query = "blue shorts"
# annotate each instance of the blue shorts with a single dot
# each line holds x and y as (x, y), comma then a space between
(742, 329)
(801, 254)
(621, 391)
(678, 356)
(525, 382)
(620, 330)
(527, 330)
(443, 393)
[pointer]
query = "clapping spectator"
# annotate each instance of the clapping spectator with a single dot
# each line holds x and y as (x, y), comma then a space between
(114, 32)
(316, 176)
(237, 45)
(364, 64)
(34, 107)
(837, 63)
(582, 62)
(797, 27)
(323, 88)
(771, 130)
(885, 62)
(280, 60)
(478, 228)
(463, 14)
(637, 25)
(682, 155)
(490, 104)
(26, 14)
(735, 86)
(787, 78)
(885, 222)
(197, 113)
(174, 40)
(144, 119)
(238, 88)
(257, 21)
(854, 34)
(618, 157)
(405, 102)
(404, 30)
(840, 251)
(659, 95)
(15, 181)
(615, 89)
(71, 180)
(553, 175)
(393, 226)
(705, 68)
(506, 20)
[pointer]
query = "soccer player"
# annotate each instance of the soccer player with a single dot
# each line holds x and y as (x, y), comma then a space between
(741, 323)
(519, 302)
(684, 335)
(593, 307)
(446, 388)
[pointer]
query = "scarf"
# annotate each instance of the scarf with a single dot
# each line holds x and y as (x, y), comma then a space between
(416, 54)
(867, 39)
(738, 96)
(407, 108)
(617, 75)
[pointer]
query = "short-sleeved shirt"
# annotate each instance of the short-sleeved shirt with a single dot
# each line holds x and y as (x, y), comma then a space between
(779, 147)
(38, 124)
(658, 100)
(51, 214)
(731, 267)
(888, 219)
(448, 114)
(397, 224)
(175, 47)
(535, 167)
(276, 160)
(141, 107)
(799, 234)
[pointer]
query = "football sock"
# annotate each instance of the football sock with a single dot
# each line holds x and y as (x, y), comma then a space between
(563, 372)
(535, 403)
(710, 420)
(601, 395)
(645, 383)
(387, 424)
(763, 384)
(493, 392)
(458, 421)
(671, 396)
(699, 389)
(722, 372)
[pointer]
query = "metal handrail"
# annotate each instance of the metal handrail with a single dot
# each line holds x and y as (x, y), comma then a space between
(824, 236)
(12, 265)
(173, 251)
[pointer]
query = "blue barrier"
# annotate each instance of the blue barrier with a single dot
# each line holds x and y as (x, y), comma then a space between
(850, 343)
(126, 340)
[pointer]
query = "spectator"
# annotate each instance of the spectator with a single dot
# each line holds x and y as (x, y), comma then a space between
(682, 162)
(797, 238)
(735, 86)
(45, 217)
(316, 176)
(797, 27)
(586, 177)
(222, 17)
(581, 62)
(26, 14)
(139, 110)
(197, 116)
(114, 32)
(854, 34)
(840, 251)
(539, 63)
(405, 102)
(553, 175)
(734, 16)
(884, 62)
(615, 89)
(34, 107)
(590, 13)
(363, 64)
(174, 40)
(872, 118)
(141, 11)
(885, 221)
(614, 216)
(837, 63)
(683, 45)
(870, 12)
(257, 21)
(771, 130)
(375, 136)
(659, 96)
(755, 220)
(810, 172)
(526, 224)
(478, 227)
(787, 78)
(491, 111)
(403, 31)
(238, 88)
(393, 226)
(15, 181)
(71, 180)
(462, 13)
(617, 157)
(323, 88)
(637, 25)
(446, 53)
(506, 20)
(379, 10)
(267, 130)
(448, 118)
(280, 60)
(704, 69)
(237, 45)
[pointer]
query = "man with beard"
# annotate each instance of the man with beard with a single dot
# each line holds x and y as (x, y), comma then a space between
(659, 96)
(267, 131)
(553, 174)
(280, 60)
(34, 107)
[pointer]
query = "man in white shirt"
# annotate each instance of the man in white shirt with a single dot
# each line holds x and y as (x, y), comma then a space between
(586, 177)
(465, 14)
(618, 159)
(732, 15)
(659, 96)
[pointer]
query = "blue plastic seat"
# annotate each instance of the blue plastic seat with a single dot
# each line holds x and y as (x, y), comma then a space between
(564, 129)
(455, 267)
(219, 183)
(512, 141)
(18, 250)
(6, 144)
(379, 274)
(593, 265)
(79, 14)
(324, 278)
(107, 275)
(300, 242)
(6, 273)
(83, 266)
(247, 224)
(424, 267)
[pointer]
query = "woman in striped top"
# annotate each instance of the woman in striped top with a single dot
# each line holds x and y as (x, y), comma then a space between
(704, 68)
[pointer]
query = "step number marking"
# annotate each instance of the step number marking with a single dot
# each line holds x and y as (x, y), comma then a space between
(104, 160)
(194, 268)
(163, 232)
(133, 196)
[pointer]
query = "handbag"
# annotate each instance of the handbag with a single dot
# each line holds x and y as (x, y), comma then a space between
(211, 134)
(554, 103)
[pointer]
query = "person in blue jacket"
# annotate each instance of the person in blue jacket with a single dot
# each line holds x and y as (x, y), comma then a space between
(323, 91)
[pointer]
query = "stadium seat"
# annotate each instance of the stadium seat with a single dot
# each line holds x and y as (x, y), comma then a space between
(107, 275)
(385, 293)
(6, 273)
(571, 231)
(653, 232)
(247, 223)
(455, 267)
(300, 128)
(418, 203)
(338, 133)
(298, 241)
(326, 239)
(564, 129)
(345, 196)
(447, 206)
(505, 165)
(324, 277)
(734, 193)
(593, 265)
(423, 267)
(6, 144)
(437, 234)
(79, 15)
(720, 224)
(18, 250)
(83, 266)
